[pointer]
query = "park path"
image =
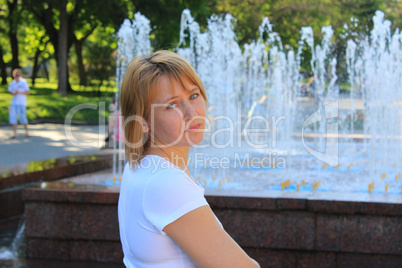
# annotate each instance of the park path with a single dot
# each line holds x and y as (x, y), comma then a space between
(49, 141)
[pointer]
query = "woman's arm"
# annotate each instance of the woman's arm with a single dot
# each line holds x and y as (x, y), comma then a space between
(199, 234)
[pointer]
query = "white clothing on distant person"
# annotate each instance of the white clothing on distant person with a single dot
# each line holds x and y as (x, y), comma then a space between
(156, 194)
(22, 86)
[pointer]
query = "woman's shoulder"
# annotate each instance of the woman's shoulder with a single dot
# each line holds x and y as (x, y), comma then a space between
(154, 168)
(158, 164)
(167, 176)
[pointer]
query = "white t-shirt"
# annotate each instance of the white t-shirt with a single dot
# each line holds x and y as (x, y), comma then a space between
(154, 195)
(21, 86)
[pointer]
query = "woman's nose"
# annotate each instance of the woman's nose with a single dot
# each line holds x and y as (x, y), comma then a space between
(189, 111)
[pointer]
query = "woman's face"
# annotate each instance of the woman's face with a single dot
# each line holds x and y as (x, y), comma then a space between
(177, 115)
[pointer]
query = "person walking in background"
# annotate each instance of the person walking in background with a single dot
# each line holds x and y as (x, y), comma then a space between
(115, 132)
(19, 89)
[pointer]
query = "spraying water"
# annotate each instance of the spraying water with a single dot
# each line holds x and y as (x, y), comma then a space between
(16, 248)
(133, 40)
(259, 103)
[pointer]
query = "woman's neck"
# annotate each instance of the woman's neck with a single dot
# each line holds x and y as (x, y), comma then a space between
(178, 156)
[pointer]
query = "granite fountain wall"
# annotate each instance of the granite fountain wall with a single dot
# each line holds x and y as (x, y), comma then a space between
(76, 219)
(16, 177)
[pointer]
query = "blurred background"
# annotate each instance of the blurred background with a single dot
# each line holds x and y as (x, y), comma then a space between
(67, 48)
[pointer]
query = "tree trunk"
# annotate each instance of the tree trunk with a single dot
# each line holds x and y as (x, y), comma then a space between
(63, 50)
(12, 33)
(3, 70)
(44, 65)
(15, 63)
(35, 68)
(45, 16)
(78, 44)
(81, 69)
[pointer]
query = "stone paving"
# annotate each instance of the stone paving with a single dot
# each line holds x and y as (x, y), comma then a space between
(49, 141)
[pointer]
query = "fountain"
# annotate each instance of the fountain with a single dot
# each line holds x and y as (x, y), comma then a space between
(295, 178)
(257, 107)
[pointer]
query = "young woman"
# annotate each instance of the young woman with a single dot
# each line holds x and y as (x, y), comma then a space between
(164, 218)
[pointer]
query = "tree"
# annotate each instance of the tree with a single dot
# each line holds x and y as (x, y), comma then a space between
(76, 18)
(100, 54)
(78, 45)
(94, 15)
(288, 16)
(165, 16)
(3, 71)
(393, 12)
(3, 44)
(36, 44)
(10, 11)
(248, 15)
(362, 12)
(14, 18)
(39, 50)
(63, 49)
(47, 13)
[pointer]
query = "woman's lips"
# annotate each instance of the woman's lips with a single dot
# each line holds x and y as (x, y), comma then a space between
(193, 128)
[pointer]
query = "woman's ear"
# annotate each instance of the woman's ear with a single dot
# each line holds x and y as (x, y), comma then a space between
(145, 127)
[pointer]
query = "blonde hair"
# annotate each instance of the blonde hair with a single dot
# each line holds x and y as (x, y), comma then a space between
(16, 71)
(138, 89)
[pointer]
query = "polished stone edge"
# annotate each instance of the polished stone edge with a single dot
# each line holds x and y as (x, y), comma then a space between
(332, 203)
(275, 201)
(96, 194)
(62, 171)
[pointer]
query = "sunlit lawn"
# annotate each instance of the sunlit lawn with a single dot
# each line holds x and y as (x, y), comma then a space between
(45, 102)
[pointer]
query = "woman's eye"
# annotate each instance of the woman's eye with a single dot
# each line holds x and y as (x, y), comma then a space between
(194, 96)
(171, 106)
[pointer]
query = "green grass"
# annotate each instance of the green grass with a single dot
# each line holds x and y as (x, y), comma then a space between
(44, 102)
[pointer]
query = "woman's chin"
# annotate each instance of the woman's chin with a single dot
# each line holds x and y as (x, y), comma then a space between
(197, 140)
(192, 139)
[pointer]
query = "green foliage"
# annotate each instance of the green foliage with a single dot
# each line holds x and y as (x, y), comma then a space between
(44, 102)
(92, 25)
(101, 64)
(4, 41)
(248, 15)
(165, 17)
(33, 38)
(393, 12)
